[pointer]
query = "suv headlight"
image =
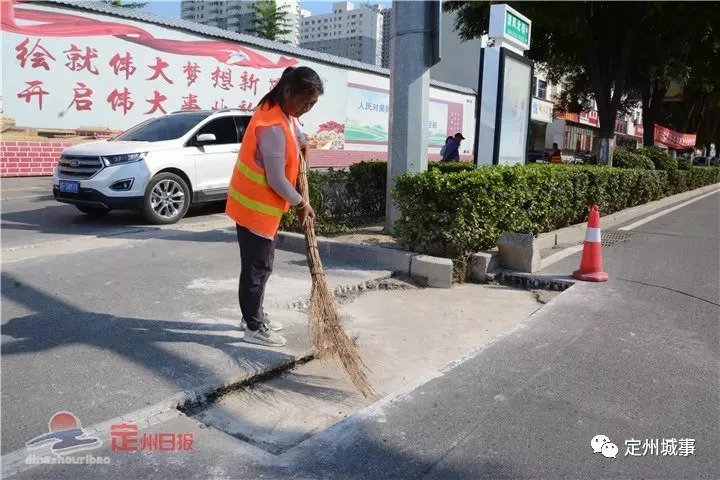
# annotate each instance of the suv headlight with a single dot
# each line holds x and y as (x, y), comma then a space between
(110, 160)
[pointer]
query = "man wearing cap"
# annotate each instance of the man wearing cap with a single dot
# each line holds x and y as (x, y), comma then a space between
(452, 149)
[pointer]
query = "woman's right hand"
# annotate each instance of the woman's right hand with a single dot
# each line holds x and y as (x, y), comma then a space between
(304, 212)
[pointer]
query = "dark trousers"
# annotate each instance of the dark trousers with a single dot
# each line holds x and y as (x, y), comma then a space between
(256, 262)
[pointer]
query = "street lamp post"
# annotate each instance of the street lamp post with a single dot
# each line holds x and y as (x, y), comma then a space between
(414, 48)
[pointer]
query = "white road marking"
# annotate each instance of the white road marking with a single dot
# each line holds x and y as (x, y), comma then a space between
(666, 211)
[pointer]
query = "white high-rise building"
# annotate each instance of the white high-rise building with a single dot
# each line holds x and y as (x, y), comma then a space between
(238, 16)
(354, 33)
(387, 31)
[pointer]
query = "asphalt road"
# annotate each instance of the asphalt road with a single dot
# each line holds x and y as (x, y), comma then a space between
(29, 217)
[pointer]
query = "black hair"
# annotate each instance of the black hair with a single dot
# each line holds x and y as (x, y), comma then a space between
(299, 79)
(448, 139)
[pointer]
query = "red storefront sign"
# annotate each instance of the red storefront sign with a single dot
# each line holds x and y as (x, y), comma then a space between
(586, 118)
(639, 130)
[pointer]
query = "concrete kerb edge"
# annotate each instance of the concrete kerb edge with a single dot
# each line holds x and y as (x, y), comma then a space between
(532, 281)
(385, 258)
(191, 401)
(397, 261)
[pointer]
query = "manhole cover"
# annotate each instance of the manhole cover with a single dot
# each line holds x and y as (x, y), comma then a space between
(613, 238)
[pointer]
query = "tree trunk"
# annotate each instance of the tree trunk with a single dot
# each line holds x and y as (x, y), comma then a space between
(606, 140)
(652, 97)
(648, 131)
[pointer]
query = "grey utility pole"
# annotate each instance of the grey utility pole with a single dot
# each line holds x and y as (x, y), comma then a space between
(414, 48)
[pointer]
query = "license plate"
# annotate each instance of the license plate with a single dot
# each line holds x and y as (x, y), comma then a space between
(69, 187)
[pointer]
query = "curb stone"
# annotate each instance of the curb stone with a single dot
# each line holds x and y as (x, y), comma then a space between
(399, 261)
(530, 281)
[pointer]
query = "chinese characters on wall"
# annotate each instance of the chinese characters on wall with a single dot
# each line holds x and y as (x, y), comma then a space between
(118, 67)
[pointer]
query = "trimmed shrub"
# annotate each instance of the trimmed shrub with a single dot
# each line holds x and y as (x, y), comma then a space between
(325, 223)
(344, 198)
(366, 186)
(660, 158)
(625, 158)
(454, 215)
(684, 164)
(451, 167)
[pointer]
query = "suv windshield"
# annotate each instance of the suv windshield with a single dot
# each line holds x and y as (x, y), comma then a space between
(168, 127)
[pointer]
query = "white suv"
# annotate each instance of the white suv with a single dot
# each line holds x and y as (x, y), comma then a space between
(158, 167)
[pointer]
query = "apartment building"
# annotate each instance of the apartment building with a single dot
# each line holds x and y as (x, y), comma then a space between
(387, 32)
(238, 16)
(354, 33)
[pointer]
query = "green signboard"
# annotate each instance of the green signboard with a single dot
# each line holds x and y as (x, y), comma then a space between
(517, 28)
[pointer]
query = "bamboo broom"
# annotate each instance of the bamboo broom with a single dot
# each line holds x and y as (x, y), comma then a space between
(327, 332)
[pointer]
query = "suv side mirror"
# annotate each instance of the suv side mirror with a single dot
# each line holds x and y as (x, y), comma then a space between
(206, 138)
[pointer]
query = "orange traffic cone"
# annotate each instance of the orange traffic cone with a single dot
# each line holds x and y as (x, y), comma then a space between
(591, 266)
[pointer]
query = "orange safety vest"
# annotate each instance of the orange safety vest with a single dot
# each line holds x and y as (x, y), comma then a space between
(251, 202)
(556, 159)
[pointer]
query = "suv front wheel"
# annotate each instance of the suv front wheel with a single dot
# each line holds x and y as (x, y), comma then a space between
(167, 199)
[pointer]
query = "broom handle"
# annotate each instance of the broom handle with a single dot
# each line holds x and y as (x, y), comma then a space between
(310, 238)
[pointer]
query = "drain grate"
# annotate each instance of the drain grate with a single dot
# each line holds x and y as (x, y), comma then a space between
(613, 238)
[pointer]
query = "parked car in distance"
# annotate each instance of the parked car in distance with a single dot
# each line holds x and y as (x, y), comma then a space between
(158, 167)
(701, 161)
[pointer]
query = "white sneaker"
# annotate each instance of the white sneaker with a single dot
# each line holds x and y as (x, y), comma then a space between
(272, 324)
(264, 336)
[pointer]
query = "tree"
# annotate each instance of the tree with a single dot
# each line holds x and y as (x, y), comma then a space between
(270, 21)
(699, 109)
(119, 3)
(619, 53)
(679, 46)
(587, 46)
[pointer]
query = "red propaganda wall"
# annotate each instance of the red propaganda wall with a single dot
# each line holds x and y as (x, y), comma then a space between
(73, 74)
(25, 159)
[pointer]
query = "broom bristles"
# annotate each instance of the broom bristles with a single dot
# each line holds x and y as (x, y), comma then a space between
(326, 330)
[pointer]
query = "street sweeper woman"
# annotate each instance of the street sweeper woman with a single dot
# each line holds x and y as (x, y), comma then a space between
(262, 188)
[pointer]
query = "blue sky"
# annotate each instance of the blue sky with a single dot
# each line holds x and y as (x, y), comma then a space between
(172, 8)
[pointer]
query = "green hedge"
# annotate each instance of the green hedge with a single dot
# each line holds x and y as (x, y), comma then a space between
(648, 158)
(451, 167)
(344, 198)
(455, 215)
(325, 220)
(354, 196)
(627, 158)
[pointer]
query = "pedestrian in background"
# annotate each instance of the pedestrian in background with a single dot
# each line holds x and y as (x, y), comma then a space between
(262, 189)
(452, 149)
(444, 147)
(556, 155)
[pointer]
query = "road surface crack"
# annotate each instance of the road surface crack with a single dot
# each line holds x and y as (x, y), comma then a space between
(670, 289)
